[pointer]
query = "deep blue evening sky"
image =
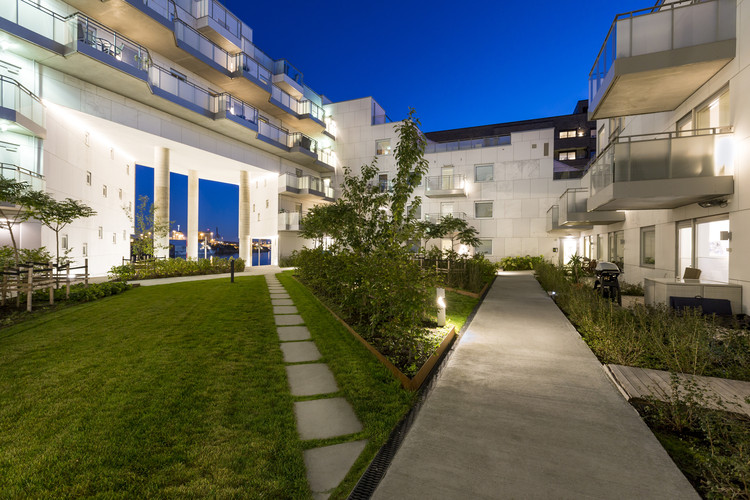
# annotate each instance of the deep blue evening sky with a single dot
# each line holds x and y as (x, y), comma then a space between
(459, 64)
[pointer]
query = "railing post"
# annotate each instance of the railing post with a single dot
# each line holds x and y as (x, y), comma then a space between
(67, 281)
(5, 283)
(29, 287)
(51, 284)
(86, 271)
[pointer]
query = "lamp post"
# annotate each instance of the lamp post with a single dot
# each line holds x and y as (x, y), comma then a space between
(441, 306)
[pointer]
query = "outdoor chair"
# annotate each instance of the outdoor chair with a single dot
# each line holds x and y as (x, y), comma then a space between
(691, 273)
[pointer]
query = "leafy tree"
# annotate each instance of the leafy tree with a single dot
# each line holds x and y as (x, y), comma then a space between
(56, 215)
(453, 228)
(21, 203)
(146, 225)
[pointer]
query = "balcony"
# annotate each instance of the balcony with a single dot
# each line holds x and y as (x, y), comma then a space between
(653, 59)
(21, 108)
(309, 116)
(252, 70)
(481, 142)
(290, 221)
(109, 47)
(288, 78)
(36, 24)
(442, 186)
(435, 217)
(233, 109)
(305, 187)
(218, 24)
(554, 227)
(160, 10)
(34, 180)
(661, 171)
(573, 211)
(175, 88)
(203, 48)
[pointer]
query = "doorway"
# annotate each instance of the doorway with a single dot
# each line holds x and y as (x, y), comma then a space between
(261, 252)
(569, 248)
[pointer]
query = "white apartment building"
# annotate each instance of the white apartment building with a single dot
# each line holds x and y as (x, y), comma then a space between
(670, 187)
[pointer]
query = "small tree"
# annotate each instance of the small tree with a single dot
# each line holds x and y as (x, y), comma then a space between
(453, 228)
(145, 226)
(56, 215)
(23, 203)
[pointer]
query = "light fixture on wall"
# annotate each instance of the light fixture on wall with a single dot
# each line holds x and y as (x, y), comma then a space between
(719, 202)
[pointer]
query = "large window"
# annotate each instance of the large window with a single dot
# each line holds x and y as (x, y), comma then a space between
(704, 244)
(483, 209)
(484, 248)
(617, 248)
(714, 112)
(566, 155)
(383, 147)
(567, 134)
(484, 173)
(599, 247)
(648, 246)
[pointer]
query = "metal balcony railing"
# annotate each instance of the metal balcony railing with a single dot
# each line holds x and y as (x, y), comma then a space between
(33, 179)
(446, 182)
(220, 14)
(164, 8)
(298, 139)
(666, 27)
(179, 87)
(38, 19)
(273, 132)
(252, 67)
(480, 142)
(237, 107)
(15, 96)
(435, 217)
(668, 155)
(110, 43)
(204, 46)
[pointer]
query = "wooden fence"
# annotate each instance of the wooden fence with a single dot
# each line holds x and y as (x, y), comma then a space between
(32, 276)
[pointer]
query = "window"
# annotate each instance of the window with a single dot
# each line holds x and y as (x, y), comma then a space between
(258, 217)
(648, 246)
(567, 134)
(599, 247)
(88, 178)
(546, 149)
(593, 133)
(86, 138)
(383, 182)
(64, 242)
(483, 209)
(617, 248)
(566, 155)
(484, 247)
(114, 237)
(484, 173)
(124, 235)
(104, 190)
(383, 147)
(415, 211)
(714, 112)
(85, 249)
(267, 204)
(127, 169)
(253, 207)
(101, 232)
(119, 193)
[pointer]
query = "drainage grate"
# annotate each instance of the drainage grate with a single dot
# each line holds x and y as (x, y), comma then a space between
(375, 472)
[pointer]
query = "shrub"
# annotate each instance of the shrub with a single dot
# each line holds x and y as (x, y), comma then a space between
(469, 273)
(635, 289)
(526, 263)
(169, 268)
(289, 260)
(7, 259)
(80, 292)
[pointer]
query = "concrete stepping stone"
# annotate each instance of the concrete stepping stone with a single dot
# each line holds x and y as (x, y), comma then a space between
(288, 319)
(280, 296)
(276, 289)
(328, 466)
(282, 302)
(285, 310)
(312, 379)
(297, 352)
(292, 333)
(325, 418)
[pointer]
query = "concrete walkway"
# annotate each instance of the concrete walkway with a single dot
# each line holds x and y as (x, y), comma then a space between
(249, 271)
(523, 409)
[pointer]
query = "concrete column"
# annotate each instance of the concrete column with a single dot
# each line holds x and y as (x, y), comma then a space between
(161, 201)
(246, 244)
(192, 216)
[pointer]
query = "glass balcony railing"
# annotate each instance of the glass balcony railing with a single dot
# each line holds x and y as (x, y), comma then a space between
(455, 182)
(669, 155)
(290, 221)
(34, 180)
(164, 8)
(481, 142)
(258, 55)
(573, 211)
(177, 86)
(255, 70)
(313, 185)
(220, 14)
(273, 132)
(236, 107)
(110, 43)
(284, 99)
(298, 139)
(553, 218)
(435, 217)
(331, 126)
(312, 109)
(327, 156)
(38, 19)
(282, 67)
(208, 49)
(15, 96)
(669, 26)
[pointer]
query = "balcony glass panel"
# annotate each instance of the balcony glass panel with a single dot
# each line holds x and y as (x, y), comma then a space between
(255, 70)
(111, 43)
(301, 140)
(326, 156)
(481, 142)
(34, 180)
(217, 12)
(435, 217)
(446, 182)
(282, 67)
(237, 107)
(15, 96)
(312, 109)
(285, 99)
(258, 55)
(164, 8)
(290, 221)
(273, 132)
(172, 84)
(204, 46)
(36, 18)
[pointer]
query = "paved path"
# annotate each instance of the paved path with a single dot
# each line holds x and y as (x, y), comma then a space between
(523, 409)
(319, 412)
(643, 382)
(249, 271)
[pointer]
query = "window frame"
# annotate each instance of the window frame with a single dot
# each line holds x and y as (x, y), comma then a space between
(492, 172)
(484, 202)
(476, 249)
(643, 258)
(378, 149)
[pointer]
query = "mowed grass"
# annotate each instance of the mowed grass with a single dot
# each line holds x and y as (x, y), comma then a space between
(458, 307)
(164, 391)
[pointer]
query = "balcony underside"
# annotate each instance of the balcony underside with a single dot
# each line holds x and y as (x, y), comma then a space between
(660, 193)
(445, 193)
(212, 30)
(661, 81)
(583, 220)
(567, 231)
(25, 125)
(303, 194)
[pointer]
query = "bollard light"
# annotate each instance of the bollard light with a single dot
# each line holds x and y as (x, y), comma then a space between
(441, 306)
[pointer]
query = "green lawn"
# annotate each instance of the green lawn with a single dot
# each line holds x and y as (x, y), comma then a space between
(171, 391)
(458, 307)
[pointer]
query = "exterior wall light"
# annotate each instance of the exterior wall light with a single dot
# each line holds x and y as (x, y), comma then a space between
(441, 306)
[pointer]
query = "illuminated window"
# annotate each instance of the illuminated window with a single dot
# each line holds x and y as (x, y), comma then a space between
(88, 178)
(483, 209)
(566, 155)
(484, 173)
(383, 147)
(567, 134)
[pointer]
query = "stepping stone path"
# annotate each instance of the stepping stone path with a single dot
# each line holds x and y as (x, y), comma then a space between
(322, 418)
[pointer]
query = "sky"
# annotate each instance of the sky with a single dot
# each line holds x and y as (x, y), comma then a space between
(458, 64)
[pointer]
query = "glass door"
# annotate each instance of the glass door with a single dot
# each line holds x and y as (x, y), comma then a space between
(684, 247)
(711, 252)
(447, 177)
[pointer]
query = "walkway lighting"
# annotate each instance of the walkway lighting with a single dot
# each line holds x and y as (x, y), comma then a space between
(441, 306)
